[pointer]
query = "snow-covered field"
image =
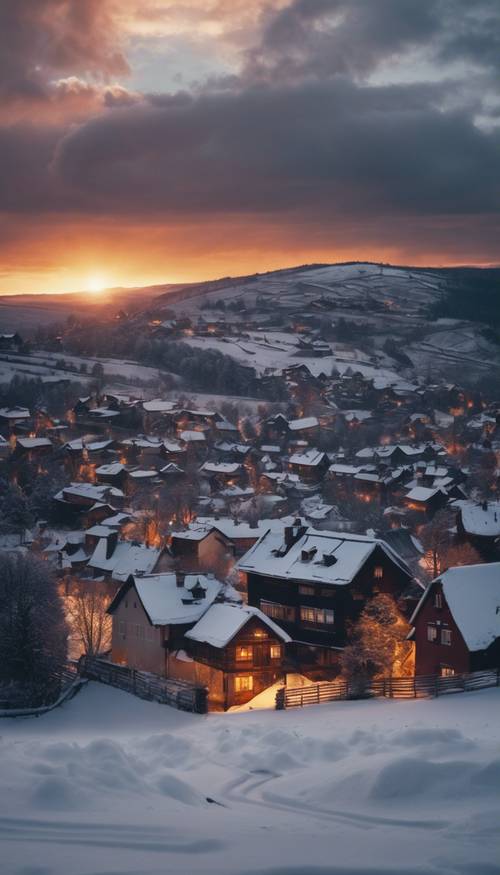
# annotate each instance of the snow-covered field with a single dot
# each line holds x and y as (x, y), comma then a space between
(111, 785)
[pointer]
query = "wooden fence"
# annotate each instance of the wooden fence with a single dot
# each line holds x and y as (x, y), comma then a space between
(65, 685)
(180, 694)
(420, 687)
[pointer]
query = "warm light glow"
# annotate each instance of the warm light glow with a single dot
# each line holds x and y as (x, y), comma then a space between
(96, 284)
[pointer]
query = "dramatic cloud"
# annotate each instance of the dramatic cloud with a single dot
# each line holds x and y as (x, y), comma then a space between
(335, 125)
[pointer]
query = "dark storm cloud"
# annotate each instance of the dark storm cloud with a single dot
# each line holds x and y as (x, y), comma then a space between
(324, 147)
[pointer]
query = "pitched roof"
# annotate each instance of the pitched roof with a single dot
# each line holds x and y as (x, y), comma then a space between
(472, 593)
(223, 621)
(166, 603)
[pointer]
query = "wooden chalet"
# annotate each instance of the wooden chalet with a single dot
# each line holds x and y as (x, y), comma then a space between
(315, 583)
(456, 625)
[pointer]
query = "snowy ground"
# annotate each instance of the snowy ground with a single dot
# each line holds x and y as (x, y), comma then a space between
(111, 785)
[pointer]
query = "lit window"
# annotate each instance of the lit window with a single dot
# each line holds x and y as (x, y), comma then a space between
(438, 600)
(243, 683)
(431, 633)
(260, 633)
(306, 590)
(378, 572)
(446, 636)
(244, 653)
(316, 615)
(275, 651)
(446, 671)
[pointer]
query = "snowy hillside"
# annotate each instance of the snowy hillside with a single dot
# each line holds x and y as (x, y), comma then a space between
(111, 784)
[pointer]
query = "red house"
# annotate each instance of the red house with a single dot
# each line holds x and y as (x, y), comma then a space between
(457, 622)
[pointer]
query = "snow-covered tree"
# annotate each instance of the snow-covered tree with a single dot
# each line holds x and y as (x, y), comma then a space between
(33, 633)
(378, 646)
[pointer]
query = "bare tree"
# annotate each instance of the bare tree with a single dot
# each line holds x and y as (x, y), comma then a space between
(86, 608)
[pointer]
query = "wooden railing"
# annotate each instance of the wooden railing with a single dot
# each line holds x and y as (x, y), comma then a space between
(419, 687)
(64, 685)
(179, 694)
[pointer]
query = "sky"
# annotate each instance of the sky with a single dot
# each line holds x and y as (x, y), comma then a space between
(155, 141)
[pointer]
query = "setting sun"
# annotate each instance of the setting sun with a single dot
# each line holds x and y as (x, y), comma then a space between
(96, 284)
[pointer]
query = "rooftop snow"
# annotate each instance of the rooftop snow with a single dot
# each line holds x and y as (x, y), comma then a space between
(223, 621)
(168, 604)
(479, 520)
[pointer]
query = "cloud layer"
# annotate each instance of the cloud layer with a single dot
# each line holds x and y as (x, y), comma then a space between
(346, 124)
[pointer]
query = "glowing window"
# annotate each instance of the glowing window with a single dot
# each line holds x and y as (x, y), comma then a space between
(244, 653)
(431, 633)
(275, 651)
(243, 683)
(378, 572)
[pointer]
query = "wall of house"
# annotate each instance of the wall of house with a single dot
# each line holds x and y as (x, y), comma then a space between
(135, 642)
(431, 657)
(214, 554)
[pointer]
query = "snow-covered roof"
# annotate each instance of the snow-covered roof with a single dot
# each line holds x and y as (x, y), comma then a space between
(343, 469)
(127, 558)
(348, 554)
(33, 443)
(157, 405)
(421, 493)
(223, 621)
(168, 604)
(310, 458)
(305, 422)
(14, 413)
(192, 436)
(85, 490)
(220, 467)
(479, 519)
(143, 474)
(472, 593)
(110, 470)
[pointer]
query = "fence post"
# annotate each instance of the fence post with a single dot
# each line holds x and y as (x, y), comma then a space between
(280, 699)
(317, 693)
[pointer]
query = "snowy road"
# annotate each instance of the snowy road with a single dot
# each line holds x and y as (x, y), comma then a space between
(111, 785)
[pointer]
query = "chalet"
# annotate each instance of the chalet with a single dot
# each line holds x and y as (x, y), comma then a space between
(426, 500)
(241, 649)
(10, 417)
(480, 525)
(305, 428)
(221, 474)
(115, 474)
(32, 448)
(117, 559)
(456, 625)
(315, 583)
(309, 465)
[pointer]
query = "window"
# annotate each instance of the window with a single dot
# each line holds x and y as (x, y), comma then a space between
(260, 633)
(378, 572)
(316, 615)
(438, 600)
(243, 683)
(244, 653)
(278, 612)
(122, 629)
(431, 633)
(446, 636)
(446, 672)
(306, 590)
(275, 651)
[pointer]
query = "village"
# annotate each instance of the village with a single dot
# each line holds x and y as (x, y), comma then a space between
(323, 519)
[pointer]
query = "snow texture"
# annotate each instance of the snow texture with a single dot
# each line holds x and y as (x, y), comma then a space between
(111, 784)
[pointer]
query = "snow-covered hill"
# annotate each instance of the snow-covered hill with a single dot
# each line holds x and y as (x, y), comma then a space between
(110, 784)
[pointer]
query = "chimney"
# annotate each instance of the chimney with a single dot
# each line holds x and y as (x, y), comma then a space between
(329, 559)
(111, 543)
(293, 533)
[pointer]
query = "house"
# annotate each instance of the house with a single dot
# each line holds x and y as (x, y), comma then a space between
(480, 525)
(456, 625)
(151, 613)
(32, 448)
(10, 417)
(221, 474)
(309, 465)
(117, 559)
(11, 342)
(114, 473)
(425, 500)
(314, 584)
(242, 650)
